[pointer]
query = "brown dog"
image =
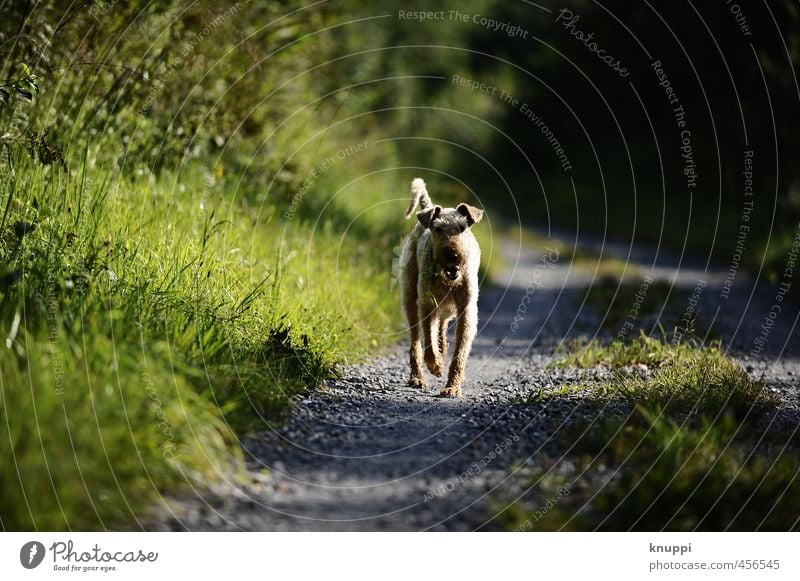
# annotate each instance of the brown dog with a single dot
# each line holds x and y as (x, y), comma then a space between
(439, 283)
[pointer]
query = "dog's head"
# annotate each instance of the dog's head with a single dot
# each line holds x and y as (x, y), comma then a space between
(446, 226)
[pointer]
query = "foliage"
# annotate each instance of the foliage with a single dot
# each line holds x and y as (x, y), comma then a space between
(174, 252)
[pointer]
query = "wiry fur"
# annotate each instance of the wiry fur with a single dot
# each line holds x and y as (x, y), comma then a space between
(419, 195)
(439, 283)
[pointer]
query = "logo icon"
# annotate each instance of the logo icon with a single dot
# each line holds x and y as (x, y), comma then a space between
(31, 554)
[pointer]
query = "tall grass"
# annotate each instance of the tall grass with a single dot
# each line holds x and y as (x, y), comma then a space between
(145, 318)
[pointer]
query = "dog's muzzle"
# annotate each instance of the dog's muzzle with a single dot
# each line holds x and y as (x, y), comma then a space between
(452, 273)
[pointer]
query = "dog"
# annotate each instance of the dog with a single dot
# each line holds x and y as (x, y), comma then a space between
(438, 283)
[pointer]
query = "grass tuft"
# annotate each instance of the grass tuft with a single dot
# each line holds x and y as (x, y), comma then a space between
(654, 474)
(679, 377)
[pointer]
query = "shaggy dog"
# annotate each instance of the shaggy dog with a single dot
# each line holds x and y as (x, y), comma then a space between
(439, 283)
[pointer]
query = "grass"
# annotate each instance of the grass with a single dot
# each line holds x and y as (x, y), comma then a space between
(642, 350)
(678, 377)
(94, 432)
(651, 473)
(135, 318)
(143, 309)
(688, 457)
(179, 288)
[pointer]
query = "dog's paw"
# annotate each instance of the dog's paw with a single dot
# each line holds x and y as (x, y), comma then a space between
(435, 365)
(451, 391)
(417, 382)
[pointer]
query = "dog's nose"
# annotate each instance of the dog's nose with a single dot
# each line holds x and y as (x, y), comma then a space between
(452, 256)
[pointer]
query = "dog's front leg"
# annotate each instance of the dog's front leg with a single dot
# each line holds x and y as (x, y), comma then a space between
(443, 338)
(466, 327)
(429, 320)
(417, 377)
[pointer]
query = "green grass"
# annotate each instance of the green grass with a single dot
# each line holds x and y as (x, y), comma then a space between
(642, 350)
(679, 377)
(651, 473)
(227, 314)
(228, 306)
(94, 432)
(689, 456)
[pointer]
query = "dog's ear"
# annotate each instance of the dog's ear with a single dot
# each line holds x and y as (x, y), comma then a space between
(428, 215)
(472, 214)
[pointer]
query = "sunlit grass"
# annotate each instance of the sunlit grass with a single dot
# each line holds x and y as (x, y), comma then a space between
(642, 350)
(680, 377)
(125, 300)
(652, 473)
(687, 457)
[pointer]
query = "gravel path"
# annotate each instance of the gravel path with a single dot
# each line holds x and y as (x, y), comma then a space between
(369, 453)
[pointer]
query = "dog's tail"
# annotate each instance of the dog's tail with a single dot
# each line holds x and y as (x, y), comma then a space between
(419, 195)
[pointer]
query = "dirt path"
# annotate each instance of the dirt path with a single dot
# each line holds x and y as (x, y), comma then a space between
(369, 453)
